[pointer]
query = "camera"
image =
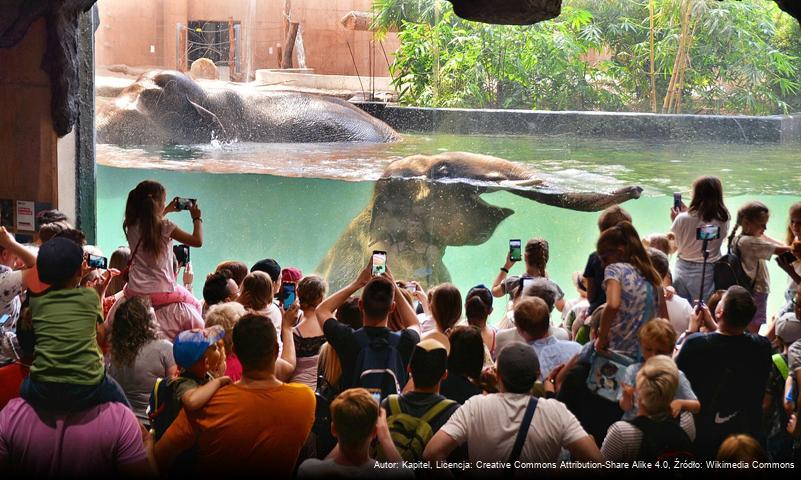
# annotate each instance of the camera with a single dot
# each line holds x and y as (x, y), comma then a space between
(707, 232)
(181, 253)
(96, 261)
(184, 203)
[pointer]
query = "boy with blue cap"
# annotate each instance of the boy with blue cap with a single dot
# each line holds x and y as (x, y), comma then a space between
(197, 353)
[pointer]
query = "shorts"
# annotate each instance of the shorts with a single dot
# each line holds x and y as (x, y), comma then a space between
(761, 315)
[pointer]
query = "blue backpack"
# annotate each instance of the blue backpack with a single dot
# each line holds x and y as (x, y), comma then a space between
(379, 367)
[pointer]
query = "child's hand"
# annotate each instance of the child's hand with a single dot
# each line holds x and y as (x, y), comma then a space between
(224, 380)
(675, 408)
(189, 275)
(194, 210)
(6, 238)
(601, 344)
(172, 206)
(669, 292)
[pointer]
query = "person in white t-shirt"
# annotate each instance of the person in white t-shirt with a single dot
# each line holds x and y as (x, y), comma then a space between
(706, 208)
(490, 423)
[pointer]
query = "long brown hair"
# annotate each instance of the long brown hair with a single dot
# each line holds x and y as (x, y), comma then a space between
(143, 210)
(446, 306)
(707, 202)
(257, 291)
(625, 236)
(795, 209)
(749, 211)
(133, 327)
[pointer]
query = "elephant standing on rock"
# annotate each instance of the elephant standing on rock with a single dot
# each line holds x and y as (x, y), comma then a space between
(422, 204)
(169, 108)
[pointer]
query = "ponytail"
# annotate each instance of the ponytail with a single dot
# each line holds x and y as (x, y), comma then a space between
(749, 211)
(142, 210)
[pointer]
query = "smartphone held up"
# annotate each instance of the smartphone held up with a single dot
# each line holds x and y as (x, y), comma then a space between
(515, 250)
(184, 203)
(379, 262)
(96, 261)
(287, 295)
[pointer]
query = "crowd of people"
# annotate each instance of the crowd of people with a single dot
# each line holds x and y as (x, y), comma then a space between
(117, 367)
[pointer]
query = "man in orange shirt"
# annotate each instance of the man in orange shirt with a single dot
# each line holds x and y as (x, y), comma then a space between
(254, 426)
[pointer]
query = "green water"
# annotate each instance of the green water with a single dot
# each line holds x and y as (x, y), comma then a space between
(297, 218)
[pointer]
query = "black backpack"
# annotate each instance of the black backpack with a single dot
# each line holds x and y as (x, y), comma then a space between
(663, 440)
(161, 410)
(729, 270)
(379, 367)
(324, 394)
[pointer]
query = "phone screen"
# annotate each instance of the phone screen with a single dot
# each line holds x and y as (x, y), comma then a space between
(515, 253)
(184, 203)
(379, 262)
(288, 294)
(377, 397)
(96, 261)
(6, 317)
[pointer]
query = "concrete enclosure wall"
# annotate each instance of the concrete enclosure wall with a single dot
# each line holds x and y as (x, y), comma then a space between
(143, 33)
(28, 143)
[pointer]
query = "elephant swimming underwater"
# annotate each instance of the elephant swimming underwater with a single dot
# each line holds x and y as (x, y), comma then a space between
(168, 107)
(422, 204)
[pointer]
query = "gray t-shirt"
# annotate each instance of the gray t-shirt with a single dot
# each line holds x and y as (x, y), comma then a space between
(137, 380)
(511, 284)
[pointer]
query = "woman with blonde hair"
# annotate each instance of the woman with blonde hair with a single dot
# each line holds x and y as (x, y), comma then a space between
(226, 315)
(657, 382)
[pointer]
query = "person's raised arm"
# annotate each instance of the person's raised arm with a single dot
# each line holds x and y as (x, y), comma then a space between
(407, 315)
(385, 438)
(439, 447)
(326, 309)
(8, 242)
(497, 287)
(285, 366)
(195, 239)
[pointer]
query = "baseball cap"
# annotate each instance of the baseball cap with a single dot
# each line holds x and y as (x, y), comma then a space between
(190, 345)
(518, 367)
(58, 260)
(291, 274)
(788, 328)
(268, 266)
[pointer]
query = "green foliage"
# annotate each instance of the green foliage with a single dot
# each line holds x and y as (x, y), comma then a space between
(743, 57)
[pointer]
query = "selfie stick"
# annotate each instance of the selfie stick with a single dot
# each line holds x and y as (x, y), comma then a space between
(703, 271)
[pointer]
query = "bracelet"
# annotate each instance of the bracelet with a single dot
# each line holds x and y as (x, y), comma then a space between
(196, 219)
(504, 270)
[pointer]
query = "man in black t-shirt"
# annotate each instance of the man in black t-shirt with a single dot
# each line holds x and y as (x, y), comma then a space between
(728, 370)
(376, 303)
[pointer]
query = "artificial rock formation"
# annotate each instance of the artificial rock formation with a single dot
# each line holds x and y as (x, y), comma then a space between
(61, 58)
